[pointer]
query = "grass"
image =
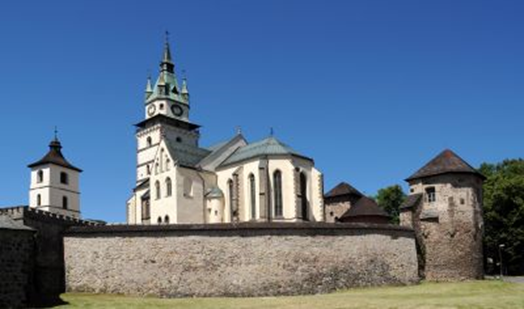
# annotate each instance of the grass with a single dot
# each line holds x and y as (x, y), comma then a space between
(474, 294)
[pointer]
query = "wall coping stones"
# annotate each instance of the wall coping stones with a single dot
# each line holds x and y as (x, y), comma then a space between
(242, 229)
(19, 212)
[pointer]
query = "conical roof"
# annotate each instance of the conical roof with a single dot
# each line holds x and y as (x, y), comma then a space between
(446, 162)
(365, 207)
(54, 156)
(343, 188)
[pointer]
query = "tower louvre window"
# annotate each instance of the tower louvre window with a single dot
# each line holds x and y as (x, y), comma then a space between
(38, 200)
(65, 202)
(149, 141)
(39, 176)
(64, 179)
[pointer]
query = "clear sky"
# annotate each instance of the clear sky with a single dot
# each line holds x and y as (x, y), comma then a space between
(370, 89)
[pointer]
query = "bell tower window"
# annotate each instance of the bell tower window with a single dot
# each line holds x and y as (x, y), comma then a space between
(64, 179)
(39, 176)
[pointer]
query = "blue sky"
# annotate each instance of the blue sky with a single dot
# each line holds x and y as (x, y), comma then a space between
(370, 89)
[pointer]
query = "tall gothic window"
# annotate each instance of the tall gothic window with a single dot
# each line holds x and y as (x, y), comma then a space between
(39, 176)
(253, 195)
(303, 195)
(230, 196)
(64, 202)
(277, 183)
(157, 189)
(169, 187)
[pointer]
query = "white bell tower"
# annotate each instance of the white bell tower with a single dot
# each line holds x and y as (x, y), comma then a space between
(55, 183)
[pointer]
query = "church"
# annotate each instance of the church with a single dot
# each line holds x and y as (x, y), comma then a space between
(178, 181)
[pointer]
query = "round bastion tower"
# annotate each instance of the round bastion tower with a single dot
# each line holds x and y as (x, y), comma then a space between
(445, 210)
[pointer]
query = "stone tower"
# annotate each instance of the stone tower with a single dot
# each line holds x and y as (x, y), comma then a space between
(55, 183)
(445, 210)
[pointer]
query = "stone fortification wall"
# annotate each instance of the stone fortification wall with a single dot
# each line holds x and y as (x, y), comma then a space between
(16, 267)
(48, 281)
(237, 260)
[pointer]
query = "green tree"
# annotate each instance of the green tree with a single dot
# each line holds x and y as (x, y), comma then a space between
(504, 213)
(390, 199)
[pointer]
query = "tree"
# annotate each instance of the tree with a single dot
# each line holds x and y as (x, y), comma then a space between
(504, 213)
(390, 199)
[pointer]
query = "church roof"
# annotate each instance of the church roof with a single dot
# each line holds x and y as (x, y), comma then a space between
(184, 154)
(365, 207)
(266, 147)
(55, 156)
(214, 192)
(342, 188)
(446, 162)
(411, 201)
(219, 151)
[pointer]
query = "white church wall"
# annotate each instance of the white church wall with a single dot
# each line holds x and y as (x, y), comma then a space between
(163, 205)
(191, 187)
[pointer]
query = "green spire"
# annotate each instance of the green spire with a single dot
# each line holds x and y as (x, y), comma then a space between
(167, 63)
(184, 90)
(149, 87)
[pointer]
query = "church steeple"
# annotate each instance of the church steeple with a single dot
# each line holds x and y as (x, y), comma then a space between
(167, 64)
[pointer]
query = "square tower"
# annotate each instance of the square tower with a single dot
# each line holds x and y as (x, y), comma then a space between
(55, 183)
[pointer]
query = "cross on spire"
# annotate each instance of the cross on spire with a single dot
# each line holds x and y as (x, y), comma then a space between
(56, 133)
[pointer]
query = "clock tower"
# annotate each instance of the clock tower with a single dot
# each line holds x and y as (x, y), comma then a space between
(166, 106)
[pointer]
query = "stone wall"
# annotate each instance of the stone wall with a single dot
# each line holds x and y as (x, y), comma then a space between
(16, 269)
(449, 230)
(237, 260)
(48, 259)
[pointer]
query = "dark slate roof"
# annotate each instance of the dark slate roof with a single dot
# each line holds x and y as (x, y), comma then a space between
(365, 207)
(55, 156)
(6, 223)
(266, 147)
(446, 162)
(184, 154)
(159, 118)
(411, 201)
(343, 188)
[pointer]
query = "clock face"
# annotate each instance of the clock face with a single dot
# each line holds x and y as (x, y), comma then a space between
(177, 110)
(151, 110)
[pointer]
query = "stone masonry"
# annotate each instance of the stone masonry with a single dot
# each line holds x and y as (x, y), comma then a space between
(237, 260)
(16, 263)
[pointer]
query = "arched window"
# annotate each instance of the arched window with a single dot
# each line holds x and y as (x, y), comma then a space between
(303, 197)
(166, 219)
(64, 202)
(230, 196)
(149, 141)
(161, 159)
(64, 178)
(39, 176)
(277, 183)
(169, 187)
(157, 189)
(168, 164)
(38, 200)
(148, 169)
(253, 195)
(159, 220)
(156, 168)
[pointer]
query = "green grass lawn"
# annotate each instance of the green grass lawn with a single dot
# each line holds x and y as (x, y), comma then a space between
(475, 294)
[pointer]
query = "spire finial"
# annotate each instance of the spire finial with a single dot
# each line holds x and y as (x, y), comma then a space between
(56, 133)
(239, 130)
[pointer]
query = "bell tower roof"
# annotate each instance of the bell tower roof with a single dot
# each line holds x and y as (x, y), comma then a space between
(54, 156)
